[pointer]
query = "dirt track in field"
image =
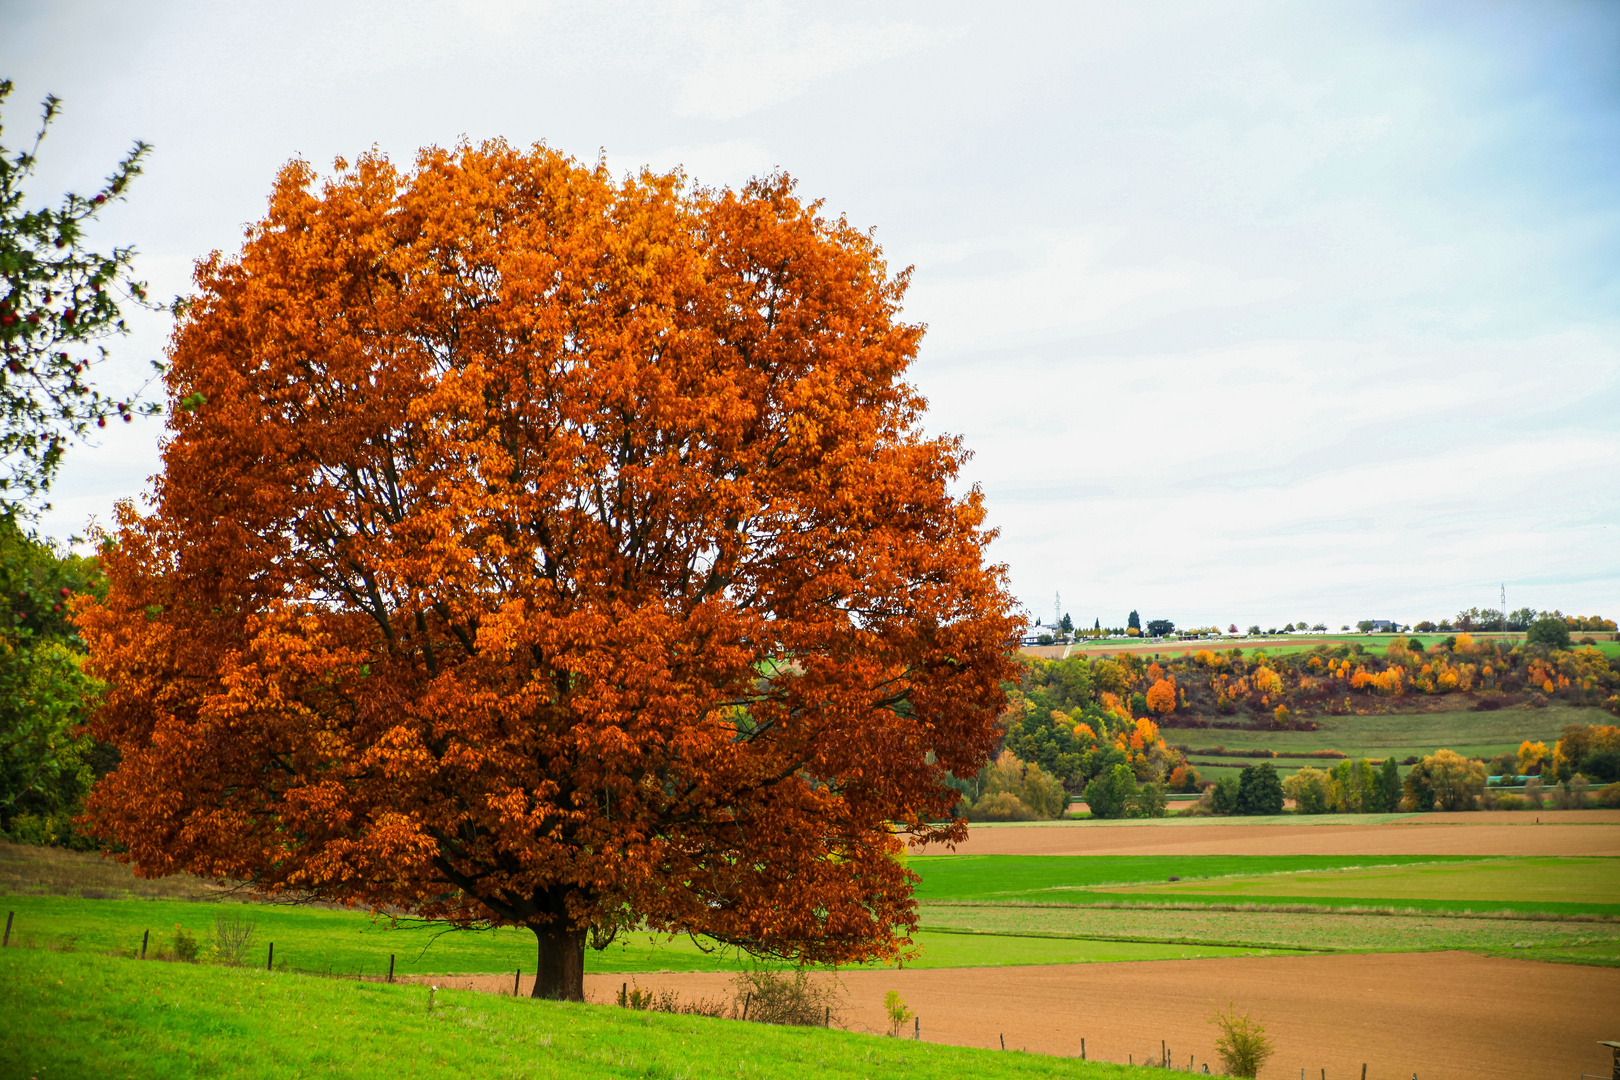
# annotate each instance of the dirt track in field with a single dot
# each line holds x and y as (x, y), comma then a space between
(1442, 1016)
(1566, 832)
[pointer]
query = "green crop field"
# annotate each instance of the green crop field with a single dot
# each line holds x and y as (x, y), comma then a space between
(986, 877)
(1577, 940)
(1553, 887)
(78, 1015)
(1588, 881)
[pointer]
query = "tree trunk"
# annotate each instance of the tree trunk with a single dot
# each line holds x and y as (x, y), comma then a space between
(560, 967)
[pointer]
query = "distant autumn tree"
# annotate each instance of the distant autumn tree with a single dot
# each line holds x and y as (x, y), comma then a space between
(1161, 697)
(551, 551)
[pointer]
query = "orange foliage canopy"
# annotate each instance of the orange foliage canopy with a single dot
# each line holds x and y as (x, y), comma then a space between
(1161, 697)
(551, 551)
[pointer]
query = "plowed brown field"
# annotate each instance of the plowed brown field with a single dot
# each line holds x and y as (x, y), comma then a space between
(1441, 1016)
(1568, 832)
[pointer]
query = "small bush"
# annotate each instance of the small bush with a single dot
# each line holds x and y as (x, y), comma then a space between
(895, 1006)
(1608, 796)
(1000, 806)
(1533, 791)
(1242, 1046)
(232, 936)
(1511, 802)
(182, 947)
(780, 997)
(1571, 795)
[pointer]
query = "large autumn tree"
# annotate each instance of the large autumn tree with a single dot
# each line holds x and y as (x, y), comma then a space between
(555, 551)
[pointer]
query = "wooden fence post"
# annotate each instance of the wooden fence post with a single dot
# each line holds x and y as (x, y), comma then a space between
(1082, 1049)
(517, 980)
(6, 941)
(145, 937)
(916, 1030)
(747, 1000)
(270, 960)
(1363, 1070)
(391, 977)
(827, 1020)
(1004, 1042)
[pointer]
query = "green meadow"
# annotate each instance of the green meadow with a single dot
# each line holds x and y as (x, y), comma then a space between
(77, 1015)
(324, 941)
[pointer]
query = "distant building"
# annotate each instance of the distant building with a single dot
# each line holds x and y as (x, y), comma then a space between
(1382, 626)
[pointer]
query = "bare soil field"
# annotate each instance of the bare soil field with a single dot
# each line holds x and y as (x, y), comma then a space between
(1566, 832)
(1440, 1016)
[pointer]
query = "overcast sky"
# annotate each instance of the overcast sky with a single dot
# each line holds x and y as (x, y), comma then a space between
(1252, 312)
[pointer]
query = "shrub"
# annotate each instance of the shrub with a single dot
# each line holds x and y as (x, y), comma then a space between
(1532, 791)
(895, 1006)
(1223, 796)
(232, 935)
(1000, 806)
(1571, 794)
(1608, 796)
(669, 1001)
(780, 997)
(1242, 1045)
(1512, 802)
(182, 947)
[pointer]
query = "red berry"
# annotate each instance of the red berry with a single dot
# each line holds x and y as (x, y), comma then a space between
(66, 591)
(101, 421)
(100, 199)
(69, 315)
(128, 418)
(33, 317)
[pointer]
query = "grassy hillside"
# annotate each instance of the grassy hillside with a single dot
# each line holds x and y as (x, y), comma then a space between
(77, 1015)
(1475, 734)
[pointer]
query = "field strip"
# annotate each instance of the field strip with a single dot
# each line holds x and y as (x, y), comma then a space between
(1268, 946)
(1440, 1015)
(1350, 906)
(1395, 838)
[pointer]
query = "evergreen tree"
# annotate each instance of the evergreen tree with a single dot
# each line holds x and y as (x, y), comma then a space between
(1134, 622)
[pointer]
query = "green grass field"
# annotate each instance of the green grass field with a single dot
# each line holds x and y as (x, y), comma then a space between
(1551, 887)
(92, 1016)
(340, 942)
(1572, 940)
(987, 877)
(1588, 881)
